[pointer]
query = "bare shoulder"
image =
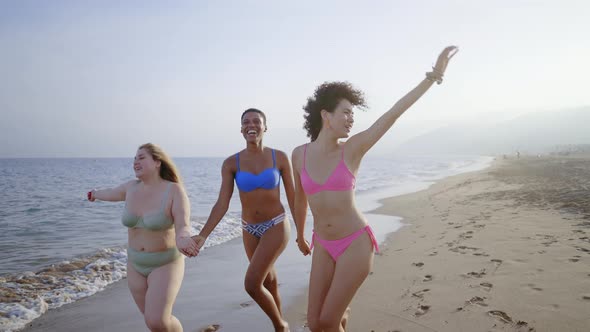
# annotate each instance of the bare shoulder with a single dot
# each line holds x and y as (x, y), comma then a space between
(177, 187)
(298, 151)
(281, 154)
(282, 159)
(129, 184)
(230, 163)
(297, 156)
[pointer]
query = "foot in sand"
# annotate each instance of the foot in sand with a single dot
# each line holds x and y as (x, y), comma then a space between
(211, 328)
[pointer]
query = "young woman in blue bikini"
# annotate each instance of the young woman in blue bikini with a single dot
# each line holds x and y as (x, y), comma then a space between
(257, 171)
(325, 176)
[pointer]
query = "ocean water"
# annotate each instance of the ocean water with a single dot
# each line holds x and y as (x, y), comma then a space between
(56, 247)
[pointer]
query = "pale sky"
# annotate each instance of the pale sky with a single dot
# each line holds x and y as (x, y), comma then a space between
(99, 78)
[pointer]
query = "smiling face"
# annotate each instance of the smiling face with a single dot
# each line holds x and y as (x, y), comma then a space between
(253, 127)
(144, 164)
(340, 121)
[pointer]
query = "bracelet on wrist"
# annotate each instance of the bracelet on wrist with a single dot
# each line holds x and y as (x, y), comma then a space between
(434, 76)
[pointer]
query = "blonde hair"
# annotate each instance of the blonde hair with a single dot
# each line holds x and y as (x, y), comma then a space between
(168, 170)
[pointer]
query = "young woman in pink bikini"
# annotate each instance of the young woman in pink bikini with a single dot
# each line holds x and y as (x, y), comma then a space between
(325, 172)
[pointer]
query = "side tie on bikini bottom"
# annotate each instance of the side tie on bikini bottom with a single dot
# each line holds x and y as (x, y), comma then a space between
(337, 247)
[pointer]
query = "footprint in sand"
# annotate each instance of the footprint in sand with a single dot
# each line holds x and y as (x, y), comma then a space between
(497, 261)
(465, 250)
(419, 264)
(434, 253)
(246, 304)
(479, 274)
(500, 315)
(422, 309)
(420, 293)
(211, 328)
(466, 235)
(486, 286)
(586, 297)
(534, 287)
(575, 259)
(427, 278)
(477, 300)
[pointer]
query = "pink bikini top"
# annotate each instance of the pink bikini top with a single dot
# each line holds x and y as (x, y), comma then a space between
(341, 178)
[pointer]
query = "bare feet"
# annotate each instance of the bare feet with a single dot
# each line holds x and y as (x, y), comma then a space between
(284, 328)
(345, 318)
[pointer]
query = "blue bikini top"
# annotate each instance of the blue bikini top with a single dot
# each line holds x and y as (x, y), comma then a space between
(270, 178)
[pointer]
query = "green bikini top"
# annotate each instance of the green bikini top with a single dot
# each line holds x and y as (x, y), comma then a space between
(156, 221)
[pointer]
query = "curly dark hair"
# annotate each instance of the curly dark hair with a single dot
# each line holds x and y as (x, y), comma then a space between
(326, 97)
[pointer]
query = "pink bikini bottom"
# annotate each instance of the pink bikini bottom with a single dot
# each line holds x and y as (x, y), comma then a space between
(337, 247)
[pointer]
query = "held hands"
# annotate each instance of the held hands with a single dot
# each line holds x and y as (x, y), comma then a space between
(199, 241)
(187, 246)
(303, 246)
(438, 71)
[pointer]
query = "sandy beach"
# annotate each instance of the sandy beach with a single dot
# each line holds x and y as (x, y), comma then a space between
(503, 249)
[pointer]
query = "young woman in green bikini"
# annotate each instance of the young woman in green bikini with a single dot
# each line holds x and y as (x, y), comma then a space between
(157, 214)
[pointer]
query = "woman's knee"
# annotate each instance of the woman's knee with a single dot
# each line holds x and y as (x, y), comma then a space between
(313, 323)
(253, 285)
(157, 323)
(270, 281)
(327, 321)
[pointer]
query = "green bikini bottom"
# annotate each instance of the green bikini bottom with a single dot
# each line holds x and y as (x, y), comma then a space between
(145, 262)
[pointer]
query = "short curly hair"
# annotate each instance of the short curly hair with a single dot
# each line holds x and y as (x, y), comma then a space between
(326, 97)
(255, 110)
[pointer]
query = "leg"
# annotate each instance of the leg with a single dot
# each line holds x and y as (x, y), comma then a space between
(137, 286)
(263, 253)
(345, 317)
(270, 282)
(322, 271)
(352, 267)
(163, 286)
(272, 285)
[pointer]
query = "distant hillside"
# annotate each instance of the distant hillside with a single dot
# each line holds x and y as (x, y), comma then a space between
(537, 132)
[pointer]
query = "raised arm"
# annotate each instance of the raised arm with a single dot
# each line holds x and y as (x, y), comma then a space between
(287, 176)
(300, 202)
(181, 212)
(363, 141)
(116, 194)
(222, 204)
